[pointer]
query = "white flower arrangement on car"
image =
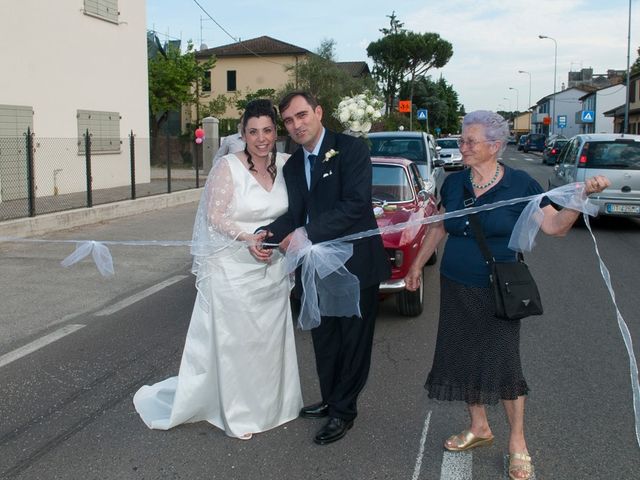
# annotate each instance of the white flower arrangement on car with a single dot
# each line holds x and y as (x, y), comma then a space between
(358, 113)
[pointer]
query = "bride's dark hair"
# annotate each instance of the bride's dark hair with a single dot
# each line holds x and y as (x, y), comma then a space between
(260, 108)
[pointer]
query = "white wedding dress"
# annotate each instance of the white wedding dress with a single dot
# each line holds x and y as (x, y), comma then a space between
(239, 369)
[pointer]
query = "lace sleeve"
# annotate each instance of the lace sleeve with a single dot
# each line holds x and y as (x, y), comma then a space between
(214, 229)
(220, 200)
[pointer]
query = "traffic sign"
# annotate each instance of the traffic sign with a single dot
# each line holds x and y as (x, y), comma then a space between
(404, 106)
(587, 116)
(562, 121)
(422, 114)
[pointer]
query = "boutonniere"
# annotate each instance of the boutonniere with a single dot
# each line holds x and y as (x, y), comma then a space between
(329, 155)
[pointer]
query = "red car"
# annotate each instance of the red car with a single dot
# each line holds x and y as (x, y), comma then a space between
(400, 195)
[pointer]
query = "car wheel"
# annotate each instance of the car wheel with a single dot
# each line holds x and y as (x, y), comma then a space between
(525, 150)
(411, 304)
(433, 258)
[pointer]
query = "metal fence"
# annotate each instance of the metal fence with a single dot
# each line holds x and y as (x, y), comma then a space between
(44, 175)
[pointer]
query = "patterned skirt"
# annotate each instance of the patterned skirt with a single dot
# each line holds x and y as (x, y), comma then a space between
(477, 356)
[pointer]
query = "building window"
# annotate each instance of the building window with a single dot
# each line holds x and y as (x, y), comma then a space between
(104, 129)
(104, 9)
(231, 80)
(206, 82)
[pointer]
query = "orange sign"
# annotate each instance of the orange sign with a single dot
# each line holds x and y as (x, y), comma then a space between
(404, 106)
(546, 120)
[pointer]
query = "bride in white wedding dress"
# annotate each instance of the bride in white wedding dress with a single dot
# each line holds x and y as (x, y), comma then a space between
(239, 369)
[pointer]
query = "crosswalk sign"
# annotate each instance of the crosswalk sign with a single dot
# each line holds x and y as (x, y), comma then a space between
(587, 116)
(422, 114)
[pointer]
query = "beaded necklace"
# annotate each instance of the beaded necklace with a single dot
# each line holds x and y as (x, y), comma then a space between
(489, 183)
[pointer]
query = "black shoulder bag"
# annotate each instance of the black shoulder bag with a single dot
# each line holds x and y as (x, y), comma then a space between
(514, 290)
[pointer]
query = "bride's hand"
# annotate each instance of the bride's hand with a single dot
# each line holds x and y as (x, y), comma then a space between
(255, 245)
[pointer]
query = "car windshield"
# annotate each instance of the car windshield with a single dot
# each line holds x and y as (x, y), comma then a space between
(560, 143)
(448, 143)
(410, 148)
(390, 184)
(611, 155)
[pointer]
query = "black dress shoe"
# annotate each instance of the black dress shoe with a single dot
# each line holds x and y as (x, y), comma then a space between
(334, 430)
(317, 410)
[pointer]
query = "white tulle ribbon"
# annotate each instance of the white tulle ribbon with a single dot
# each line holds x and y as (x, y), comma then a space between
(328, 288)
(526, 228)
(100, 253)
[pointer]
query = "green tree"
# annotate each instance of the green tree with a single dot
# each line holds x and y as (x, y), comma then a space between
(635, 68)
(401, 55)
(320, 75)
(441, 101)
(269, 93)
(175, 80)
(388, 59)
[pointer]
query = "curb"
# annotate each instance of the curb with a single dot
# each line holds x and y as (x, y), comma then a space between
(53, 222)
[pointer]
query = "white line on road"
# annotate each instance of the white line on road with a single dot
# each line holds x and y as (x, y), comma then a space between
(38, 344)
(423, 439)
(139, 296)
(457, 466)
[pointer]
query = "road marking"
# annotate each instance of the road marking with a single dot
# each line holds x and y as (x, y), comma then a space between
(423, 440)
(457, 466)
(38, 344)
(139, 296)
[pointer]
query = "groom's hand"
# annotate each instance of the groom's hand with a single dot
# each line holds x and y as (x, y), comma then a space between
(284, 244)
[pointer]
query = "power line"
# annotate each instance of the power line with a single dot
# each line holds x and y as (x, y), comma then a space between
(235, 39)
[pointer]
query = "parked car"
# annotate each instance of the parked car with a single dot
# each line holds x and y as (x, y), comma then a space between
(534, 142)
(511, 140)
(552, 150)
(521, 141)
(419, 147)
(450, 153)
(398, 197)
(616, 156)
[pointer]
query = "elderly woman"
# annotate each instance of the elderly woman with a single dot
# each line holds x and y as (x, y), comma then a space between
(477, 356)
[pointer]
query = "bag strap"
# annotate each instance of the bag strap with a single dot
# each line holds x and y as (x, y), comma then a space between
(469, 200)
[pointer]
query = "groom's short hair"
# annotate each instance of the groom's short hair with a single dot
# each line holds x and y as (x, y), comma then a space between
(286, 100)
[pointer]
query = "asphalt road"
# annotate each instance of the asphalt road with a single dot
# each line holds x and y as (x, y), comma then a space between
(66, 406)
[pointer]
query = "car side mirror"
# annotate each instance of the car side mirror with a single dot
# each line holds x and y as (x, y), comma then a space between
(438, 148)
(438, 162)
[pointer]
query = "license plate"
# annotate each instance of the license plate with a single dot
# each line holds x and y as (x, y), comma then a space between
(615, 208)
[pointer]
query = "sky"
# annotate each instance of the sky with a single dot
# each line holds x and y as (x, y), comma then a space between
(492, 39)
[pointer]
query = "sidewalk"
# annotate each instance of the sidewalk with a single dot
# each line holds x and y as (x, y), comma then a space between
(111, 206)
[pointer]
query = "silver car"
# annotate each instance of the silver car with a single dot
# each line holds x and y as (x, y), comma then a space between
(616, 156)
(450, 153)
(419, 147)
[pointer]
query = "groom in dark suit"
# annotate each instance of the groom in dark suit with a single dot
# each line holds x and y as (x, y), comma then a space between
(329, 187)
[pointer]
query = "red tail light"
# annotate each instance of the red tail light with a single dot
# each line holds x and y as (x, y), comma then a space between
(583, 159)
(553, 151)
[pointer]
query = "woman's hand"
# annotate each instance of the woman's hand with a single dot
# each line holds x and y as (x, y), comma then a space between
(255, 244)
(412, 279)
(596, 184)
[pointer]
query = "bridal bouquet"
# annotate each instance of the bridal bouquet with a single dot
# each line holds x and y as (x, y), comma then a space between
(358, 113)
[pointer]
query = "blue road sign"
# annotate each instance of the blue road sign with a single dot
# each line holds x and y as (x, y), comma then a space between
(562, 121)
(422, 114)
(587, 116)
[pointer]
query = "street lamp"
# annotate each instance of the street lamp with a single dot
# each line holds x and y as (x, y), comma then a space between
(517, 99)
(529, 104)
(555, 66)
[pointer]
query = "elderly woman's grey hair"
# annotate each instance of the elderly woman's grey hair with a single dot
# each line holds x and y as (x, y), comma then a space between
(496, 128)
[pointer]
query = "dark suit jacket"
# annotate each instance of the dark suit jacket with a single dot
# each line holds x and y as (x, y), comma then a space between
(338, 203)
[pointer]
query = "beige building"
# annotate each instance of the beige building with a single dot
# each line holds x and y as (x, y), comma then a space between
(248, 66)
(72, 65)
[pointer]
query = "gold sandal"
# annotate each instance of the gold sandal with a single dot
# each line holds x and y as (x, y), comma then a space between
(466, 440)
(523, 466)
